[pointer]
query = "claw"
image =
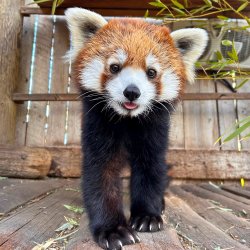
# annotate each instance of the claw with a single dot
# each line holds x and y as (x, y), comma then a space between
(140, 228)
(137, 238)
(107, 244)
(120, 243)
(132, 239)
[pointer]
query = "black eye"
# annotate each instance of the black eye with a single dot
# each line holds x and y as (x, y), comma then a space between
(114, 68)
(151, 73)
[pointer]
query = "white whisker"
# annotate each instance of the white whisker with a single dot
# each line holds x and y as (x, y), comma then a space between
(95, 106)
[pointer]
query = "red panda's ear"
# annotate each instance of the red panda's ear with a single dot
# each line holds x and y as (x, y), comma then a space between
(82, 25)
(191, 43)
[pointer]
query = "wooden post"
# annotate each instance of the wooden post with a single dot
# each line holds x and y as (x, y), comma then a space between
(10, 28)
(24, 162)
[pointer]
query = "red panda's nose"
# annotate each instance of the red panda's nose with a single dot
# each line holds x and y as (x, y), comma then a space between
(132, 92)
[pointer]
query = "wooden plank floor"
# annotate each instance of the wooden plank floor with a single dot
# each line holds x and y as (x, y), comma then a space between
(200, 216)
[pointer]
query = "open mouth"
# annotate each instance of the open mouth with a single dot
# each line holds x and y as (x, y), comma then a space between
(130, 105)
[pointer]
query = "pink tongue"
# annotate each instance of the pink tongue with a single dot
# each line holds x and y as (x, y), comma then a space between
(130, 105)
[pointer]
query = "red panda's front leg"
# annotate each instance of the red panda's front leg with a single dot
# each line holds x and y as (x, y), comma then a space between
(148, 175)
(148, 182)
(102, 197)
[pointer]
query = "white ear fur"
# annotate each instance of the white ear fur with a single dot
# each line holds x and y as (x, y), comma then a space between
(82, 24)
(191, 42)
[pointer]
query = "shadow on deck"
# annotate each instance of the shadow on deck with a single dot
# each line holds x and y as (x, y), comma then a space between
(200, 216)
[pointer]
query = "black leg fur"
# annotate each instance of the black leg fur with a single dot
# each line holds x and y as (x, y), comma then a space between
(106, 138)
(147, 150)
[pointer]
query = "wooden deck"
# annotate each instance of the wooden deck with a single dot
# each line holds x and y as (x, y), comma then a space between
(197, 217)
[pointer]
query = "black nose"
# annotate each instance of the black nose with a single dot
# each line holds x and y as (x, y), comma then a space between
(132, 92)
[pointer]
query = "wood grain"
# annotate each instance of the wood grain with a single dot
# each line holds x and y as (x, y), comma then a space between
(38, 221)
(209, 120)
(177, 133)
(24, 162)
(200, 119)
(57, 116)
(243, 112)
(225, 202)
(24, 78)
(223, 190)
(227, 222)
(21, 97)
(36, 127)
(66, 162)
(74, 121)
(10, 30)
(22, 191)
(185, 164)
(227, 117)
(203, 234)
(205, 164)
(238, 192)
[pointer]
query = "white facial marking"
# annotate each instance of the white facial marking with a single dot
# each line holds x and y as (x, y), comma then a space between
(152, 62)
(91, 74)
(120, 57)
(126, 77)
(170, 85)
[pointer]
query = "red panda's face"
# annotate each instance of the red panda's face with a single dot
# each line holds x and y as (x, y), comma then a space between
(132, 63)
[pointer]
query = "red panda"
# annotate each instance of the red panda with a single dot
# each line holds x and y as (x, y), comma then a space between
(130, 74)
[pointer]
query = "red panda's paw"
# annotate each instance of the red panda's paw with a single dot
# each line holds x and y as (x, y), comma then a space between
(116, 238)
(147, 223)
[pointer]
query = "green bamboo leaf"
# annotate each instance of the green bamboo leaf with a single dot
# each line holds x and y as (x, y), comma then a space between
(245, 27)
(65, 226)
(245, 120)
(219, 139)
(75, 209)
(59, 2)
(177, 4)
(54, 5)
(208, 2)
(201, 9)
(221, 74)
(146, 14)
(243, 6)
(241, 84)
(198, 64)
(219, 55)
(234, 52)
(179, 11)
(162, 10)
(237, 132)
(72, 221)
(186, 3)
(226, 43)
(232, 56)
(245, 137)
(39, 1)
(158, 4)
(223, 18)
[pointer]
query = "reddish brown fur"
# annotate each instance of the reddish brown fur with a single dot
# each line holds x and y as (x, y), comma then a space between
(110, 181)
(137, 38)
